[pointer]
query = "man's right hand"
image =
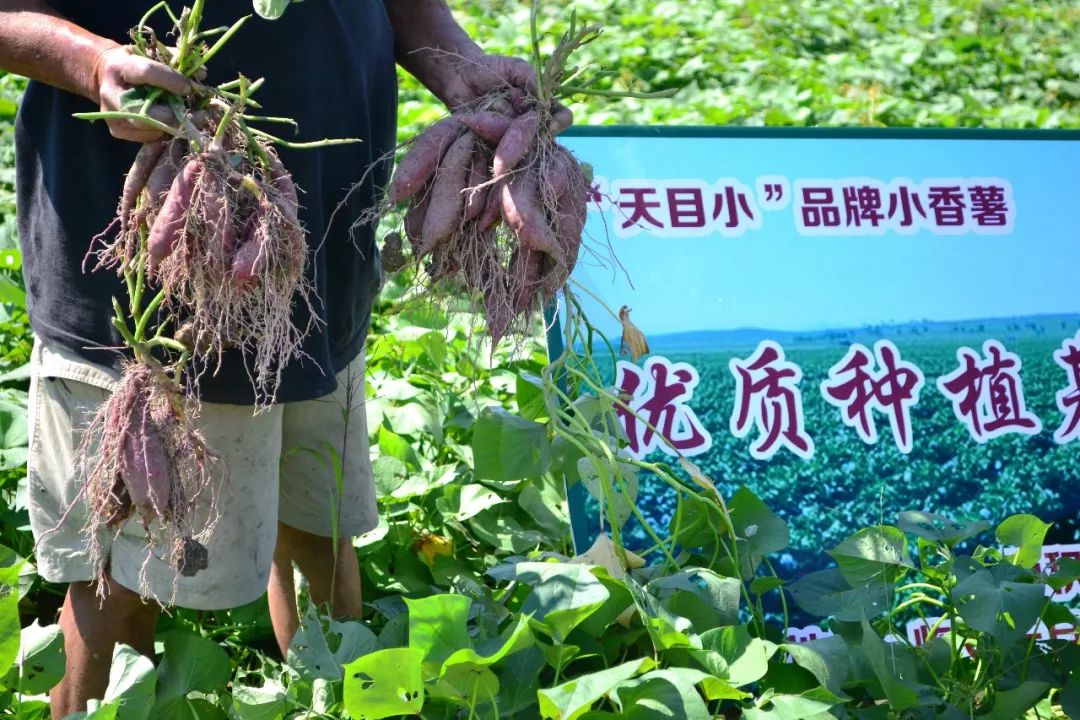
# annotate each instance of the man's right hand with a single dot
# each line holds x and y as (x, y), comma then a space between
(118, 70)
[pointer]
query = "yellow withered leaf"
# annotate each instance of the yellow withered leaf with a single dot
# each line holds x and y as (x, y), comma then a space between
(633, 340)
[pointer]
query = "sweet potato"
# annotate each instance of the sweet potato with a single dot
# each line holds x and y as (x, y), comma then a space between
(161, 179)
(249, 260)
(286, 201)
(515, 143)
(479, 173)
(525, 215)
(487, 125)
(414, 216)
(170, 221)
(446, 202)
(416, 168)
(141, 169)
(526, 268)
(492, 212)
(568, 220)
(145, 467)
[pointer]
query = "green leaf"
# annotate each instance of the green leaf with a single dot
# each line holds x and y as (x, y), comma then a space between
(826, 592)
(519, 679)
(270, 9)
(873, 555)
(190, 664)
(760, 531)
(393, 445)
(9, 615)
(389, 474)
(385, 683)
(545, 503)
(826, 658)
(311, 654)
(696, 522)
(895, 668)
(529, 396)
(742, 659)
(11, 293)
(268, 702)
(1012, 704)
(474, 499)
(40, 662)
(1070, 696)
(762, 585)
(437, 628)
(517, 637)
(132, 679)
(1026, 533)
(811, 705)
(1006, 610)
(721, 594)
(938, 528)
(574, 698)
(562, 596)
(509, 447)
(661, 694)
(8, 108)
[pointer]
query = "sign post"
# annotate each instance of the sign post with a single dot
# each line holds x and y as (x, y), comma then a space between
(850, 323)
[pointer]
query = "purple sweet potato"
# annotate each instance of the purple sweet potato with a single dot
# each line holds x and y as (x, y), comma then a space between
(170, 221)
(492, 212)
(145, 161)
(524, 214)
(444, 213)
(526, 268)
(416, 168)
(414, 216)
(145, 467)
(515, 143)
(250, 258)
(286, 200)
(479, 173)
(487, 125)
(161, 179)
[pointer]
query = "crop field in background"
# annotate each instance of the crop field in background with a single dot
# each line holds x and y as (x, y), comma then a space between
(847, 482)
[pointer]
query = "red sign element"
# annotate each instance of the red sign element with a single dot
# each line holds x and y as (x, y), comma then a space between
(767, 396)
(659, 416)
(858, 390)
(987, 394)
(1068, 400)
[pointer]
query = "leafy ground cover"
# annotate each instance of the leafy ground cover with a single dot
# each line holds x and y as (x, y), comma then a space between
(474, 607)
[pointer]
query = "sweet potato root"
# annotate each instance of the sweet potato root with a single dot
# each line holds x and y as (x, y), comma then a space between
(170, 221)
(515, 144)
(524, 214)
(419, 163)
(446, 202)
(488, 125)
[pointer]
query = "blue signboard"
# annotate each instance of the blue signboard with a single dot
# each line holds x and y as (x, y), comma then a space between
(852, 324)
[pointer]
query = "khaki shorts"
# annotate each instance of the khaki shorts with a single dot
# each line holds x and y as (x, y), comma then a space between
(272, 477)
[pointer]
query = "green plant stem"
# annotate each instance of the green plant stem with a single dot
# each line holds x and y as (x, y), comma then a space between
(216, 47)
(135, 117)
(582, 90)
(304, 145)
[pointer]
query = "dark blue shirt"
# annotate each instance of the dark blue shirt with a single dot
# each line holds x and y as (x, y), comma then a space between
(328, 64)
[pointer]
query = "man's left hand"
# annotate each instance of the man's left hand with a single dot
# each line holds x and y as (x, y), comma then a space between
(472, 79)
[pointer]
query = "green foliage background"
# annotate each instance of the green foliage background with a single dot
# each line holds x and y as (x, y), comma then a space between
(432, 392)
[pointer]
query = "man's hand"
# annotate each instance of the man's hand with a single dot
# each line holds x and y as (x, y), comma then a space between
(472, 79)
(432, 46)
(118, 70)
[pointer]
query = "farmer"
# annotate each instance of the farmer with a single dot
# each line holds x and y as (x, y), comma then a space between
(330, 65)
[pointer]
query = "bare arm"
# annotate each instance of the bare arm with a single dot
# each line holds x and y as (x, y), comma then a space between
(40, 44)
(430, 44)
(425, 31)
